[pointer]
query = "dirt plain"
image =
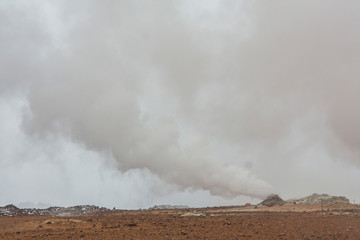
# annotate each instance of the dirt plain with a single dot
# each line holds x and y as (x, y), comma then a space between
(341, 221)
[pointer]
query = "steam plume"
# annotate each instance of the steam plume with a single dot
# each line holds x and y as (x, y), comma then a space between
(205, 96)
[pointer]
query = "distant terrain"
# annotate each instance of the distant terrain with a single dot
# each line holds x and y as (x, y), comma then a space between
(87, 210)
(318, 216)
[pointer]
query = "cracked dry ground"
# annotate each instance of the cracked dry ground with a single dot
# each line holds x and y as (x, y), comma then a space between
(171, 225)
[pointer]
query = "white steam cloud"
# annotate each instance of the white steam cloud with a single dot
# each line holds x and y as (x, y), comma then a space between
(231, 97)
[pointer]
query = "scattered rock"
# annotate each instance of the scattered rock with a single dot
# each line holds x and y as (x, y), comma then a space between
(131, 224)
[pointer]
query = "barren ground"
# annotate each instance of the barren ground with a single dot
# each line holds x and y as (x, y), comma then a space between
(284, 222)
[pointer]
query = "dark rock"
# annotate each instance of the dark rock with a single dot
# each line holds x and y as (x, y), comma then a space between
(273, 200)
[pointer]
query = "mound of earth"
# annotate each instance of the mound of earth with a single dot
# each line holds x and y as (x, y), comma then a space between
(320, 199)
(273, 200)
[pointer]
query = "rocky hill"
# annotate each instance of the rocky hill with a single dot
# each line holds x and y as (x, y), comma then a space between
(82, 210)
(273, 200)
(319, 199)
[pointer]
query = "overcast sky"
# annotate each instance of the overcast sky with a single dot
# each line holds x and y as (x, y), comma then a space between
(129, 104)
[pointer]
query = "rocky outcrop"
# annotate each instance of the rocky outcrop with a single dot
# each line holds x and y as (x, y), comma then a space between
(273, 200)
(319, 199)
(82, 210)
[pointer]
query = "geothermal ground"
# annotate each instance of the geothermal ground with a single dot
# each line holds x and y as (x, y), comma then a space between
(289, 221)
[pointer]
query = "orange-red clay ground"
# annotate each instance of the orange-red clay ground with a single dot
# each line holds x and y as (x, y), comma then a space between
(282, 222)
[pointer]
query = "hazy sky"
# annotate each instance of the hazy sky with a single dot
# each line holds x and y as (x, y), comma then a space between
(136, 103)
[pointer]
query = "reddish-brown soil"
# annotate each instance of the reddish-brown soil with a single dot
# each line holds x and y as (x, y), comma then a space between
(282, 222)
